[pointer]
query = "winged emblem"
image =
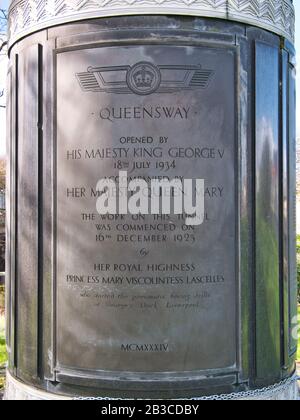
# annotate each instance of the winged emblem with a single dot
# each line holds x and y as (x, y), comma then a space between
(144, 79)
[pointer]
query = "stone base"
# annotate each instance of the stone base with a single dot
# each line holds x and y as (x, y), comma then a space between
(16, 390)
(286, 391)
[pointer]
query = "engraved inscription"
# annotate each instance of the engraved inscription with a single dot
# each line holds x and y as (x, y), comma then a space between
(146, 292)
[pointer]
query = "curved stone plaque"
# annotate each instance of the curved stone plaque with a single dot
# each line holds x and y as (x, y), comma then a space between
(146, 293)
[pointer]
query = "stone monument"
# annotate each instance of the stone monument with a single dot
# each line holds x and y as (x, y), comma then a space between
(139, 305)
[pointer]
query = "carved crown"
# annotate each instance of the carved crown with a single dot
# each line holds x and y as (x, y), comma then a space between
(143, 78)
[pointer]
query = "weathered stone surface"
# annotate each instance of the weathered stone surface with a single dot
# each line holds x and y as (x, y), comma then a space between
(16, 390)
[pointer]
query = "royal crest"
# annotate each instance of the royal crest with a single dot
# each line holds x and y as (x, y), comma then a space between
(144, 79)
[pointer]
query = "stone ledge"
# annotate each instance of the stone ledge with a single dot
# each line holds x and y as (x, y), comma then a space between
(28, 16)
(16, 390)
